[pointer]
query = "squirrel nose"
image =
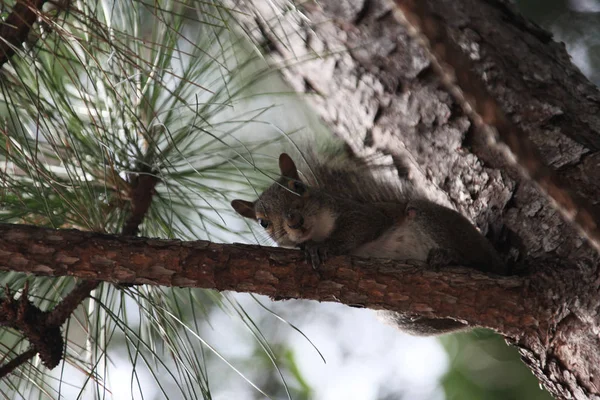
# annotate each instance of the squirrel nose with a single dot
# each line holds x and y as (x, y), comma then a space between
(294, 220)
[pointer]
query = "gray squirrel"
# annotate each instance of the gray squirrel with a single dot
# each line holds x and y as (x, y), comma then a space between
(339, 208)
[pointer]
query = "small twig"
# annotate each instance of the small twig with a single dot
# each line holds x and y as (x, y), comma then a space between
(142, 190)
(15, 29)
(16, 362)
(63, 310)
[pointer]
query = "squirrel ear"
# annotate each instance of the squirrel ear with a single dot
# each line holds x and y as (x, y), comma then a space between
(244, 208)
(287, 167)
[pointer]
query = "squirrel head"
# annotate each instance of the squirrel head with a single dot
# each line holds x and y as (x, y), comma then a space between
(289, 210)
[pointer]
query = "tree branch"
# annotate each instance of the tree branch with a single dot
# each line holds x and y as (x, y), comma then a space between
(493, 302)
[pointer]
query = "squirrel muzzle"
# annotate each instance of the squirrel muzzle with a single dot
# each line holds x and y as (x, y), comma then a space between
(294, 220)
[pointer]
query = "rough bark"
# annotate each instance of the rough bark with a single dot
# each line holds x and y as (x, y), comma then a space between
(378, 91)
(490, 301)
(477, 99)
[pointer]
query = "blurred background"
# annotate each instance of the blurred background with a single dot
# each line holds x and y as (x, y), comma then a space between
(196, 106)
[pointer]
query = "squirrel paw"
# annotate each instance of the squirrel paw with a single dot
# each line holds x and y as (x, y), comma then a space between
(316, 254)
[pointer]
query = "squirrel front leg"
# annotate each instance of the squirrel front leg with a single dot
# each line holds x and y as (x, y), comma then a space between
(318, 252)
(354, 226)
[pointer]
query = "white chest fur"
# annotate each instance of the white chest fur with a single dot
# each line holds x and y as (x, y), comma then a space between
(401, 242)
(326, 223)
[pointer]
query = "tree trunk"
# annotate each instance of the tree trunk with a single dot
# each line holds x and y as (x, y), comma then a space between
(377, 88)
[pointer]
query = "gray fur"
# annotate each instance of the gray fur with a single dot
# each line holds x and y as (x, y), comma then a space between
(346, 209)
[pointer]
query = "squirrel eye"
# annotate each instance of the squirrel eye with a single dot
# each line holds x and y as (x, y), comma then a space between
(264, 223)
(299, 187)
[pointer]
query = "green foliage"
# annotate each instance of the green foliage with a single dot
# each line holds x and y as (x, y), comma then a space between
(104, 92)
(118, 89)
(484, 367)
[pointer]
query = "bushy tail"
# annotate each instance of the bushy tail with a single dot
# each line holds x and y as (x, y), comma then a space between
(375, 179)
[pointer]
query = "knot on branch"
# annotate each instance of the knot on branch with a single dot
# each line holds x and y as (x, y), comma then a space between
(44, 335)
